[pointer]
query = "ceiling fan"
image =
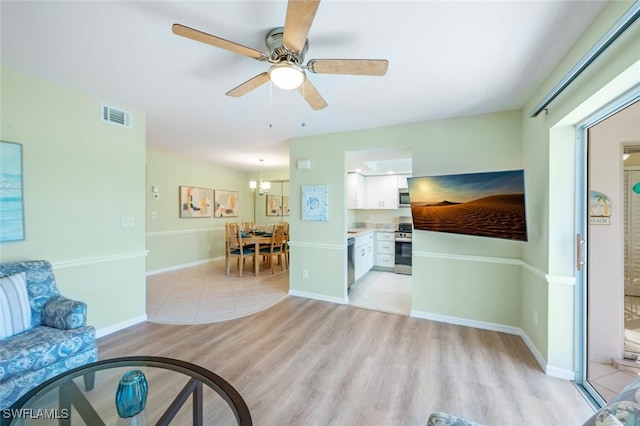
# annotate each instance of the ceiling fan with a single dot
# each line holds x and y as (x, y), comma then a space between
(287, 48)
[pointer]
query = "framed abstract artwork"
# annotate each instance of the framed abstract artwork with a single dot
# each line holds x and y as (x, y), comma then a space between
(195, 202)
(11, 193)
(274, 205)
(315, 203)
(226, 203)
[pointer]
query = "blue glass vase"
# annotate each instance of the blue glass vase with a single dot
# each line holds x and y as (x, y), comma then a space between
(131, 396)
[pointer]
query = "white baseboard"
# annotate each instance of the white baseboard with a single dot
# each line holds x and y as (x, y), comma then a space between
(316, 296)
(466, 322)
(560, 373)
(182, 266)
(550, 370)
(120, 326)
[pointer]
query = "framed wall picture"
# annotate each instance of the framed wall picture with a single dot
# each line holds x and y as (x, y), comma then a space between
(195, 202)
(274, 205)
(226, 203)
(486, 204)
(11, 193)
(315, 202)
(285, 205)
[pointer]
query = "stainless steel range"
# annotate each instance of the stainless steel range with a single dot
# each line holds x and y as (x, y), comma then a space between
(402, 264)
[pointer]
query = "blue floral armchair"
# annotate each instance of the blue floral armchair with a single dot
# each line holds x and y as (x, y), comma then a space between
(57, 339)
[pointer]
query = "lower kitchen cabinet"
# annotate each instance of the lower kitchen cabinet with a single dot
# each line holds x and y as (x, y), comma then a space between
(385, 249)
(363, 254)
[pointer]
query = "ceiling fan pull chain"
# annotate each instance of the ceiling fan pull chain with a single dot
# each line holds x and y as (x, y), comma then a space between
(270, 104)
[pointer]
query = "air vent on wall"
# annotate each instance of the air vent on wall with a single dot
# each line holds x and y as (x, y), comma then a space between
(116, 116)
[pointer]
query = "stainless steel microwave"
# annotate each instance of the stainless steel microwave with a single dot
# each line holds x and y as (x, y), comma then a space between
(403, 197)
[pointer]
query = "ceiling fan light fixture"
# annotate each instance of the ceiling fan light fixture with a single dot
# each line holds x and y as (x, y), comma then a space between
(286, 76)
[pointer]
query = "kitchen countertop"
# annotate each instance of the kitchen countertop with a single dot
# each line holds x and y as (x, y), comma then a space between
(356, 232)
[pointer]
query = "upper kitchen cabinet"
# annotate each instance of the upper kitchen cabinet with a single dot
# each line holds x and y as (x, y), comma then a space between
(381, 192)
(402, 181)
(355, 191)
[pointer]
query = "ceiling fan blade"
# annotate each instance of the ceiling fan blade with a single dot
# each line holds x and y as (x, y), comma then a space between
(248, 85)
(197, 35)
(300, 14)
(349, 66)
(311, 95)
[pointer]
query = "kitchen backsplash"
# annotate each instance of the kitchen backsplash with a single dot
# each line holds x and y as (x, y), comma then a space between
(373, 225)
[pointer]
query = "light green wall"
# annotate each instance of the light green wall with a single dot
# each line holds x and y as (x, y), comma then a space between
(173, 241)
(81, 177)
(531, 285)
(462, 145)
(549, 142)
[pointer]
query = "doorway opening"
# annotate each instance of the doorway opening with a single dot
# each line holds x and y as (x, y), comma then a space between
(375, 178)
(613, 249)
(631, 158)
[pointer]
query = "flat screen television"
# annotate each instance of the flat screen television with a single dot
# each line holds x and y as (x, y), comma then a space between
(488, 204)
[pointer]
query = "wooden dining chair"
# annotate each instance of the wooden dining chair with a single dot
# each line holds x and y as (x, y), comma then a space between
(235, 247)
(285, 243)
(275, 248)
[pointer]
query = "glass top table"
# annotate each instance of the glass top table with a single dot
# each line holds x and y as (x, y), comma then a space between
(178, 392)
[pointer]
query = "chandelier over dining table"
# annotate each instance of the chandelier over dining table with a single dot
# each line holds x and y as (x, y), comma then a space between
(261, 187)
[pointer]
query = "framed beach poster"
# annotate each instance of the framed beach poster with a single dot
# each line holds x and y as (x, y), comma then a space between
(11, 194)
(226, 203)
(195, 202)
(314, 202)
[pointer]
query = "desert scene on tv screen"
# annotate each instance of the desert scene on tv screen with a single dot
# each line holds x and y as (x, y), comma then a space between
(482, 204)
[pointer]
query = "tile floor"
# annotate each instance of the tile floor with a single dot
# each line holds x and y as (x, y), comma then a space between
(382, 291)
(609, 380)
(204, 293)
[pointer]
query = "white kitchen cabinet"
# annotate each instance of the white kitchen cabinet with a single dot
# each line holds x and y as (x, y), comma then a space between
(382, 192)
(385, 249)
(363, 254)
(355, 191)
(402, 181)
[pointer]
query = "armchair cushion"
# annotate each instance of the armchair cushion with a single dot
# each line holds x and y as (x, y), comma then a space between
(15, 310)
(40, 347)
(41, 284)
(65, 314)
(624, 407)
(56, 341)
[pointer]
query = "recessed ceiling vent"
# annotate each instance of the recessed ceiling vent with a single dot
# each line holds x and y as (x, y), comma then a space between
(116, 116)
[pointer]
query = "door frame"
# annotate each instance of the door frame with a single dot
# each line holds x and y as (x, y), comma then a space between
(582, 229)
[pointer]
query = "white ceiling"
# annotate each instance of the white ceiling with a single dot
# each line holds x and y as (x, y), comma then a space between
(446, 59)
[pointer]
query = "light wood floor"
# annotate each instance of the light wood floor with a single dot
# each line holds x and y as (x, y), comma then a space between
(307, 362)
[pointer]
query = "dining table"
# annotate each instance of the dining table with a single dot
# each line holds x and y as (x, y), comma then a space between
(255, 240)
